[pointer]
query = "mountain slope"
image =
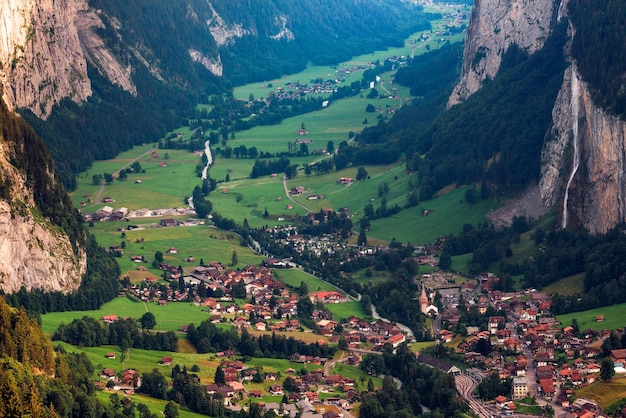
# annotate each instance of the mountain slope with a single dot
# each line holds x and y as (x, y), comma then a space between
(42, 245)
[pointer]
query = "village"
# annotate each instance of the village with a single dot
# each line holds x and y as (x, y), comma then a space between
(510, 334)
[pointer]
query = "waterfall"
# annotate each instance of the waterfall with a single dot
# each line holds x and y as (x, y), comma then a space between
(574, 107)
(209, 157)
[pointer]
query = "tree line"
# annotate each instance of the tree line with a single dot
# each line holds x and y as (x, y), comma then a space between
(207, 337)
(125, 333)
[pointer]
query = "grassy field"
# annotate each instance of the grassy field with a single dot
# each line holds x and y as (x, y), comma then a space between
(169, 317)
(614, 317)
(606, 394)
(460, 262)
(200, 241)
(345, 310)
(567, 286)
(447, 215)
(156, 406)
(293, 278)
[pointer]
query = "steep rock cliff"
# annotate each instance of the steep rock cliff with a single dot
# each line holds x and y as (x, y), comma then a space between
(583, 157)
(34, 252)
(494, 26)
(44, 47)
(595, 197)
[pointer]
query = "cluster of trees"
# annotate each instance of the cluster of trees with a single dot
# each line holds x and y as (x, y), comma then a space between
(126, 333)
(508, 117)
(395, 298)
(27, 367)
(209, 338)
(487, 244)
(599, 48)
(99, 285)
(265, 168)
(493, 386)
(422, 386)
(382, 211)
(329, 223)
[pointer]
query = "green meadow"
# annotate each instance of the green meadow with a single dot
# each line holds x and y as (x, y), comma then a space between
(614, 317)
(293, 277)
(446, 215)
(244, 198)
(169, 317)
(345, 310)
(567, 286)
(156, 406)
(199, 241)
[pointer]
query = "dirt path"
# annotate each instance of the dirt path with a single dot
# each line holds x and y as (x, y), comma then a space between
(291, 198)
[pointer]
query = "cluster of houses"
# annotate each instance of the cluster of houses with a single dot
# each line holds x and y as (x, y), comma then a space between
(329, 244)
(529, 339)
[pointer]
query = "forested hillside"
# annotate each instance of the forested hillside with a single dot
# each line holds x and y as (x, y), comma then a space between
(168, 46)
(27, 153)
(498, 133)
(600, 51)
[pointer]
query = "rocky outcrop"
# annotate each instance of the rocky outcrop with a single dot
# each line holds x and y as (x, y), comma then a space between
(44, 48)
(33, 252)
(494, 26)
(597, 193)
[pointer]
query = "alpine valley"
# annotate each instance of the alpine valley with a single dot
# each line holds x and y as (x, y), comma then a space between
(491, 138)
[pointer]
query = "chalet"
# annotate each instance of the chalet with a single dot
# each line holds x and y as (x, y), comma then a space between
(325, 297)
(172, 250)
(108, 374)
(166, 361)
(169, 222)
(276, 390)
(547, 388)
(130, 377)
(111, 355)
(528, 315)
(619, 356)
(495, 322)
(396, 340)
(108, 319)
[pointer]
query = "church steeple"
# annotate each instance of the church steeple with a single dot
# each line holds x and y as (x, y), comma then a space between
(423, 300)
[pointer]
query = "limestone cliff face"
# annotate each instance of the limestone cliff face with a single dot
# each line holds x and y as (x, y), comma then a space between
(44, 48)
(33, 252)
(595, 197)
(494, 26)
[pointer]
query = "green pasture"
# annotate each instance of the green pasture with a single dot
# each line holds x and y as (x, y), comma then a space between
(421, 345)
(200, 241)
(332, 123)
(144, 361)
(447, 215)
(567, 286)
(605, 393)
(160, 187)
(248, 199)
(356, 195)
(156, 406)
(169, 317)
(460, 262)
(293, 277)
(614, 317)
(345, 310)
